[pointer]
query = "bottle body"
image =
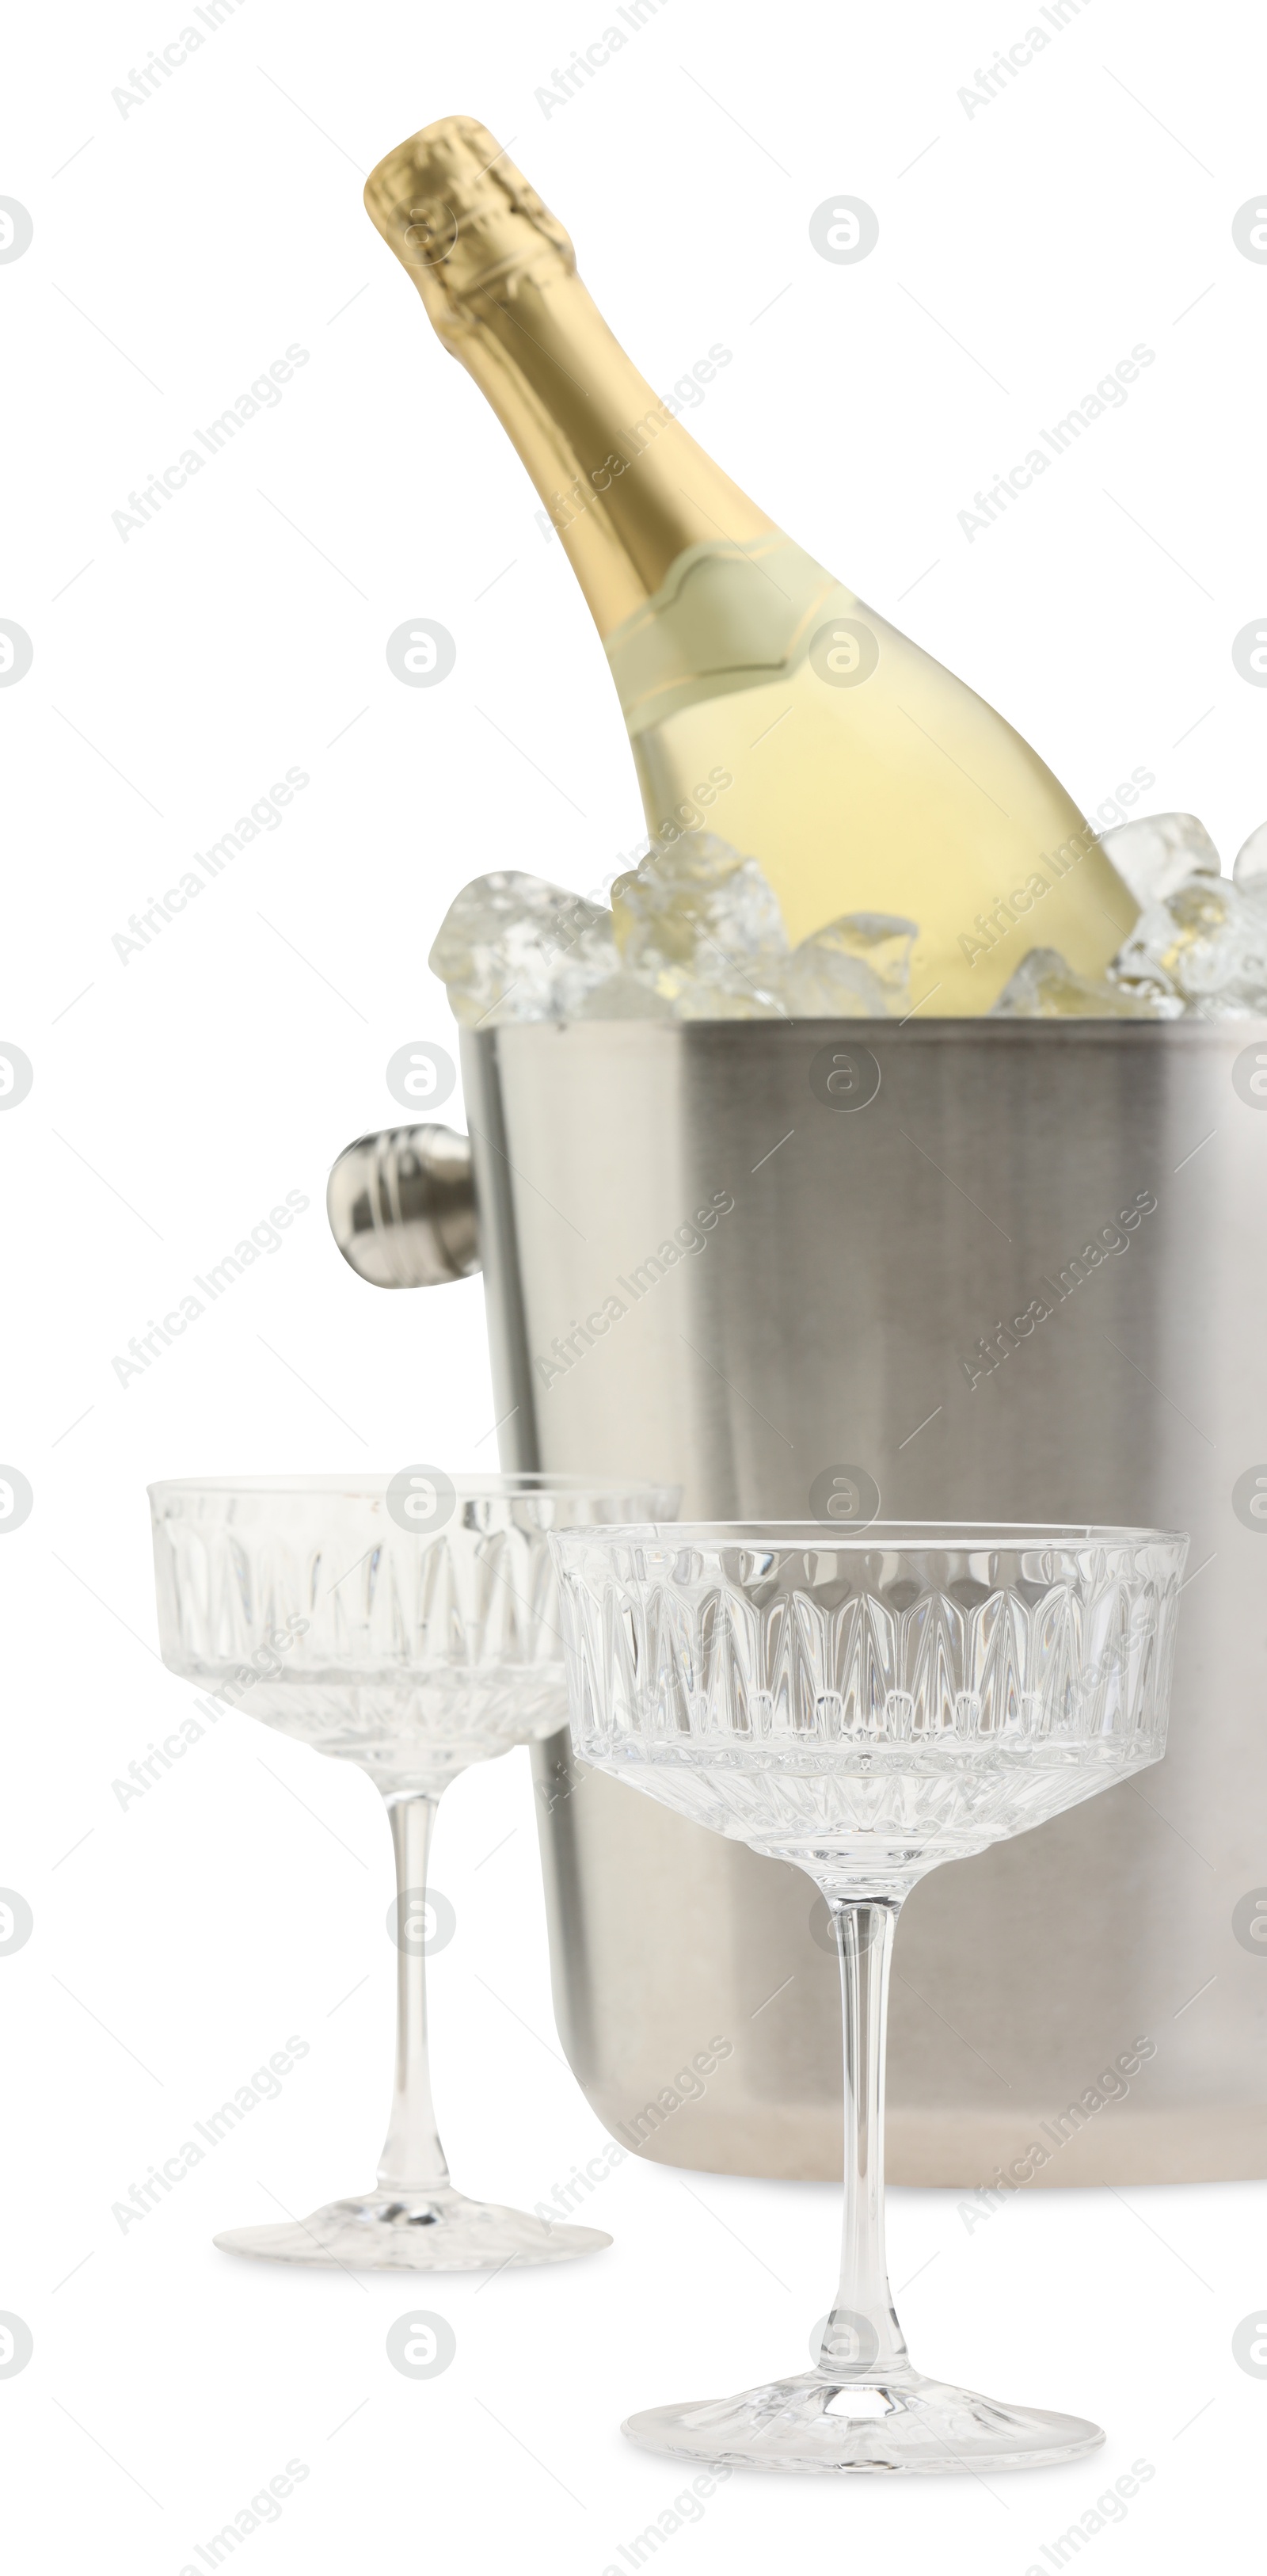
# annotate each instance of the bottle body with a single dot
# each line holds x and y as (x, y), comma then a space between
(764, 701)
(789, 717)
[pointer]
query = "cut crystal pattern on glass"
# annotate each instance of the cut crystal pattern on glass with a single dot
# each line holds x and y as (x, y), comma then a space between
(411, 1655)
(868, 1708)
(867, 1711)
(412, 1652)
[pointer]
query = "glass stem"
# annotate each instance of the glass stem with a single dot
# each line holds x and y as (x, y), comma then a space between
(412, 2158)
(863, 2339)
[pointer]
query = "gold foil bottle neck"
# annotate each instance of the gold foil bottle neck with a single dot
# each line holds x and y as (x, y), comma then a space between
(463, 221)
(497, 275)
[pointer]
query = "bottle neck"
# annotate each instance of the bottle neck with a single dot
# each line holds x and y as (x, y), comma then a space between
(625, 485)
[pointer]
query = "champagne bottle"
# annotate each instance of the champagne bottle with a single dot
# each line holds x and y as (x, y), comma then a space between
(764, 700)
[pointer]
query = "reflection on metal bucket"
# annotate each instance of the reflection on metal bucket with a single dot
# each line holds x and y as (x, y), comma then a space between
(964, 1269)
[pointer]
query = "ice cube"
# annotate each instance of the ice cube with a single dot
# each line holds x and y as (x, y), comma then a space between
(856, 967)
(1157, 852)
(1133, 973)
(584, 969)
(514, 947)
(1230, 1002)
(701, 923)
(623, 996)
(740, 997)
(1207, 944)
(1046, 987)
(1249, 868)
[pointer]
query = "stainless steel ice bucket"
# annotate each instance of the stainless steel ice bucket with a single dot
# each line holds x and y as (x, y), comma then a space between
(965, 1269)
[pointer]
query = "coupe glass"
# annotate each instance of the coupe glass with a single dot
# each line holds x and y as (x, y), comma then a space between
(868, 1707)
(412, 1628)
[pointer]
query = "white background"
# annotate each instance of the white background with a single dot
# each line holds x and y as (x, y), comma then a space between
(176, 252)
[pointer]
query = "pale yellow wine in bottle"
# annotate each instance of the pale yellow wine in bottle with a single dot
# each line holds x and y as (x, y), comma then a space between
(764, 701)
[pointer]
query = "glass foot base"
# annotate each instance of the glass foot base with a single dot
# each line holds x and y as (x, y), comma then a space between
(902, 2423)
(436, 2231)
